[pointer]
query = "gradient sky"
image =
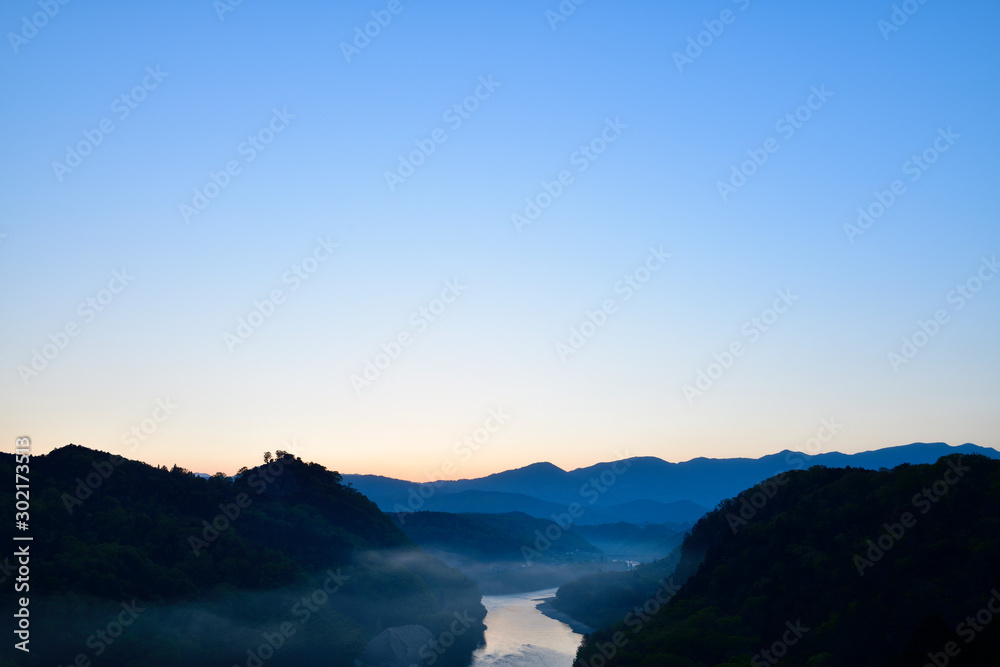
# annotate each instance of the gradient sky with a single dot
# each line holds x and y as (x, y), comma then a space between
(163, 337)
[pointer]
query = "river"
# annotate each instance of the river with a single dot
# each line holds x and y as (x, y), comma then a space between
(518, 635)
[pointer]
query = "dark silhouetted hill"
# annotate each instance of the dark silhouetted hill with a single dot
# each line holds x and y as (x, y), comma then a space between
(219, 566)
(825, 567)
(496, 537)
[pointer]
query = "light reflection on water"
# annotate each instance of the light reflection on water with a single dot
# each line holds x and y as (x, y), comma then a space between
(518, 635)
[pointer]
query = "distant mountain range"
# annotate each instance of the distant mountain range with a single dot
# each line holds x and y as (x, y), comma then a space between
(634, 490)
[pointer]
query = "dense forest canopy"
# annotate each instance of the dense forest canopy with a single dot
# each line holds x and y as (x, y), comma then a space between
(828, 567)
(213, 567)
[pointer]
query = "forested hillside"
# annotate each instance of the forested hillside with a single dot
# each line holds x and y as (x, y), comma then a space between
(605, 598)
(498, 537)
(281, 561)
(829, 567)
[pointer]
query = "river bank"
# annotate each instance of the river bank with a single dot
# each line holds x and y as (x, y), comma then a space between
(545, 607)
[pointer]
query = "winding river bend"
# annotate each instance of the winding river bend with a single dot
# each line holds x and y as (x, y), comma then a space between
(518, 635)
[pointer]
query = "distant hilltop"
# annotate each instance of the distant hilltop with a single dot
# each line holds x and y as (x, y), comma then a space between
(636, 490)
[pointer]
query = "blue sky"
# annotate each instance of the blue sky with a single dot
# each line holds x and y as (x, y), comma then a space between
(202, 84)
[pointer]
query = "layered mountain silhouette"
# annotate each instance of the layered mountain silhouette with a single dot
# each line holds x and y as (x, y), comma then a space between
(650, 490)
(280, 564)
(819, 568)
(880, 565)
